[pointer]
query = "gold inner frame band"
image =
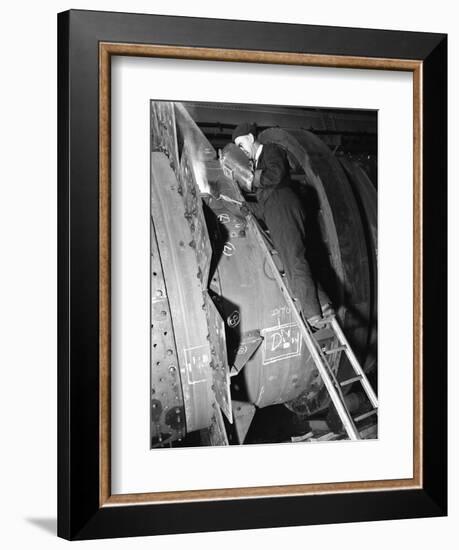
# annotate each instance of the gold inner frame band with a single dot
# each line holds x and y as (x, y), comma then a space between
(108, 49)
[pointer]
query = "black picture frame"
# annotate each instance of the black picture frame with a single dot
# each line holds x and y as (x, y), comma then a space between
(80, 512)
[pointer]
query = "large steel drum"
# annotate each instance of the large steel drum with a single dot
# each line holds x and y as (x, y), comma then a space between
(224, 331)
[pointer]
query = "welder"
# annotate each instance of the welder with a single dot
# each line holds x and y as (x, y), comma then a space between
(280, 209)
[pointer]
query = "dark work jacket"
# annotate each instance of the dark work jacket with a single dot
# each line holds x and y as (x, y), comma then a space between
(272, 171)
(282, 212)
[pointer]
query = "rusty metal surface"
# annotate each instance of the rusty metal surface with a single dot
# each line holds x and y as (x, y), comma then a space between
(215, 435)
(191, 168)
(163, 131)
(189, 193)
(186, 253)
(184, 290)
(219, 359)
(167, 406)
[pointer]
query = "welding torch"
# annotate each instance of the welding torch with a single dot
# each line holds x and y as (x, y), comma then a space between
(238, 166)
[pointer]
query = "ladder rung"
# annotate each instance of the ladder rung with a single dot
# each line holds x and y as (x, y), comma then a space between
(354, 363)
(327, 437)
(335, 350)
(305, 437)
(365, 415)
(350, 380)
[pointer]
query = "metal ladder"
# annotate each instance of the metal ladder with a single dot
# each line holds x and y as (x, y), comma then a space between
(319, 356)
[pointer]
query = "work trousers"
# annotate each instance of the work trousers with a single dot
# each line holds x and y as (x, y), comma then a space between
(284, 217)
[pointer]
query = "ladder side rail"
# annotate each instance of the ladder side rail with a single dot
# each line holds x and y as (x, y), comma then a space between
(354, 363)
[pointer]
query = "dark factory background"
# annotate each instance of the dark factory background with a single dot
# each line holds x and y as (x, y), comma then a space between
(348, 132)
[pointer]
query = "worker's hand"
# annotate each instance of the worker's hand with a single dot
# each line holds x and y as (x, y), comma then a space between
(317, 321)
(256, 179)
(327, 311)
(249, 183)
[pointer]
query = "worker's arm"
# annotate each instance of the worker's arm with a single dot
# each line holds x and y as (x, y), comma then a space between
(276, 168)
(237, 166)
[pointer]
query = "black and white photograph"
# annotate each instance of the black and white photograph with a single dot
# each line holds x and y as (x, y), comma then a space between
(264, 274)
(229, 254)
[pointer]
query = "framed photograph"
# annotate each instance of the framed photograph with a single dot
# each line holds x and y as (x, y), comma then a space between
(252, 275)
